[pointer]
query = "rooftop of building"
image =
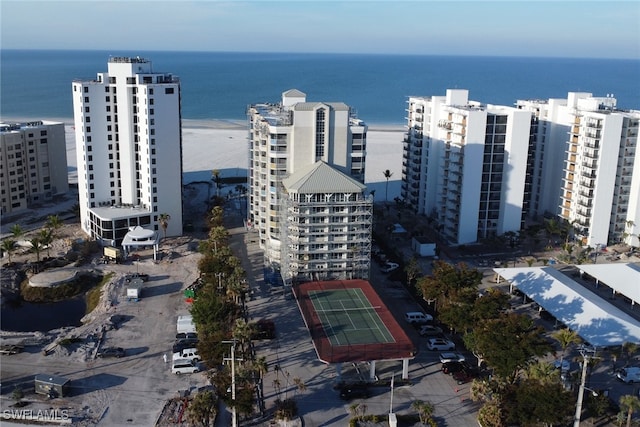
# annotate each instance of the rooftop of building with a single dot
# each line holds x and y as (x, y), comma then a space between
(128, 60)
(321, 178)
(10, 127)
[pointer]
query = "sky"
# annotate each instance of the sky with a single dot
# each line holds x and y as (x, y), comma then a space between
(575, 28)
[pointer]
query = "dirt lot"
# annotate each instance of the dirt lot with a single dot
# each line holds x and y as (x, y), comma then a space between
(131, 390)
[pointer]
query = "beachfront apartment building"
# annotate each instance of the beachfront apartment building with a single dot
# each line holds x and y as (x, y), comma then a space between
(129, 149)
(465, 165)
(286, 137)
(326, 225)
(33, 164)
(575, 162)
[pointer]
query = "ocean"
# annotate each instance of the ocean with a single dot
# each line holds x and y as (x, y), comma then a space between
(36, 84)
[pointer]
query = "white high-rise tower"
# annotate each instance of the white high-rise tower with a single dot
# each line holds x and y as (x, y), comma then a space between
(129, 149)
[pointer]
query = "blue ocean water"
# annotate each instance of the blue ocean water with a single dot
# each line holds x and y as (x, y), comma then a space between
(37, 83)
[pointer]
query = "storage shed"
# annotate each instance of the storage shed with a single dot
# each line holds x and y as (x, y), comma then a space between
(52, 385)
(423, 246)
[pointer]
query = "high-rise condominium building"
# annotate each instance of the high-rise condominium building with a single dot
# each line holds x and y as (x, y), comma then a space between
(481, 170)
(287, 136)
(326, 225)
(129, 149)
(596, 166)
(33, 164)
(465, 164)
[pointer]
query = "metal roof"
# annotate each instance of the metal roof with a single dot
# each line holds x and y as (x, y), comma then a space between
(595, 319)
(294, 93)
(321, 178)
(622, 278)
(310, 106)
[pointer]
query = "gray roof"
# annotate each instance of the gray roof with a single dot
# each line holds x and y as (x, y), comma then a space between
(294, 93)
(310, 106)
(321, 178)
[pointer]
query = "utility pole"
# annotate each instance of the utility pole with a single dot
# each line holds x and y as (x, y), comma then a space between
(585, 352)
(234, 420)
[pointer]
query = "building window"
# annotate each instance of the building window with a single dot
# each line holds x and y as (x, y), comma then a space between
(86, 99)
(86, 109)
(320, 133)
(168, 90)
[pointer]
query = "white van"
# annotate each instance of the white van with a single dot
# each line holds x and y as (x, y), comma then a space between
(187, 353)
(184, 366)
(629, 375)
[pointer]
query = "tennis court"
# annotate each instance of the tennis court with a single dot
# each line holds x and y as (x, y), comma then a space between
(348, 318)
(349, 322)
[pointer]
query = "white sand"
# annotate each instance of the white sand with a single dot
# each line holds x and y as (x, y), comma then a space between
(222, 145)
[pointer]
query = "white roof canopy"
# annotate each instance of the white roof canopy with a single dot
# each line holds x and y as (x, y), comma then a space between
(622, 278)
(138, 236)
(593, 318)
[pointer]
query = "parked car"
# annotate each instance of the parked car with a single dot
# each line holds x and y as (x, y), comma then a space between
(630, 374)
(453, 367)
(440, 344)
(451, 357)
(184, 343)
(417, 317)
(111, 352)
(389, 267)
(430, 331)
(186, 335)
(354, 391)
(9, 349)
(465, 375)
(564, 366)
(142, 276)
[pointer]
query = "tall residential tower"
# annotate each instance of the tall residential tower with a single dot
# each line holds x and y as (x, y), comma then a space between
(290, 136)
(129, 149)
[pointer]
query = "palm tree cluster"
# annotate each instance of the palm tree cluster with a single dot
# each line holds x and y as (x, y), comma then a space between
(218, 313)
(41, 240)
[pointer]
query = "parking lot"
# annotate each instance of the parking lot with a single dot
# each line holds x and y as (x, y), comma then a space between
(110, 391)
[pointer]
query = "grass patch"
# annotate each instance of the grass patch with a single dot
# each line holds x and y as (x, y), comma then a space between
(62, 292)
(93, 296)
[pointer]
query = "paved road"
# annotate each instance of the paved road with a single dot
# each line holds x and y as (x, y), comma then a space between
(295, 356)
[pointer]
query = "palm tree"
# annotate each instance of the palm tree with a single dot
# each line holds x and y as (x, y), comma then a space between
(163, 220)
(424, 410)
(36, 246)
(387, 174)
(46, 238)
(17, 231)
(202, 409)
(630, 348)
(54, 222)
(216, 179)
(565, 338)
(631, 403)
(8, 245)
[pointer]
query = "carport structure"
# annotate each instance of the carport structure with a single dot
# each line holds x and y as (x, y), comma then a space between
(595, 319)
(623, 279)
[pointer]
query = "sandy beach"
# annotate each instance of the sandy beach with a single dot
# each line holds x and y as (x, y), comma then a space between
(222, 144)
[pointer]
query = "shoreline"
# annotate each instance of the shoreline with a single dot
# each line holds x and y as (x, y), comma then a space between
(222, 144)
(212, 124)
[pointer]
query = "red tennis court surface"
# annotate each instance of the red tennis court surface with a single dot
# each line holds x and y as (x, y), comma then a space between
(401, 346)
